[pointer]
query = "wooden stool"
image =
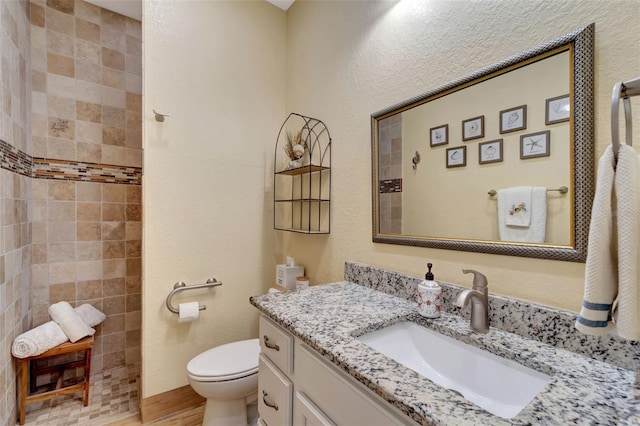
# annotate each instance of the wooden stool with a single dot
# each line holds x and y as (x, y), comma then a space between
(30, 369)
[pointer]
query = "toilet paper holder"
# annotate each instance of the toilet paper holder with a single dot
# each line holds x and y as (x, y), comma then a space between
(181, 286)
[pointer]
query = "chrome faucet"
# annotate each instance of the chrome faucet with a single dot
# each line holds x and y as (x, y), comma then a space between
(479, 297)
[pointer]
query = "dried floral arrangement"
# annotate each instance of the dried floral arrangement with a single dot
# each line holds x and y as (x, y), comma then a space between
(295, 146)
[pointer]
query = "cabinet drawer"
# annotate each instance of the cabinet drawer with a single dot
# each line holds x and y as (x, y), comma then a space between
(276, 344)
(275, 393)
(340, 397)
(306, 413)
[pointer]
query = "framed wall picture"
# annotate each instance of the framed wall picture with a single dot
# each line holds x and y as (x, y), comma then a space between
(513, 119)
(557, 109)
(535, 145)
(490, 152)
(439, 135)
(473, 128)
(457, 157)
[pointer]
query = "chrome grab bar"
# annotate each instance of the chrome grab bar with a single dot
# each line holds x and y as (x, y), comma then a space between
(181, 286)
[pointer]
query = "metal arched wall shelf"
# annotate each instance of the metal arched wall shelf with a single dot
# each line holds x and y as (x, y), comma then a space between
(302, 176)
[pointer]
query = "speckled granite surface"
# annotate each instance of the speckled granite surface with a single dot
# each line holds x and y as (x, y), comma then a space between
(547, 325)
(329, 317)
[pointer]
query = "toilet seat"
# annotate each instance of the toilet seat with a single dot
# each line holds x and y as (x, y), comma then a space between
(226, 362)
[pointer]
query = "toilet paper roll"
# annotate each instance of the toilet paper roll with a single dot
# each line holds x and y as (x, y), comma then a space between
(189, 311)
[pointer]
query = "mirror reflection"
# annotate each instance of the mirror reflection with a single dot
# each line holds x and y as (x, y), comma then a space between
(491, 160)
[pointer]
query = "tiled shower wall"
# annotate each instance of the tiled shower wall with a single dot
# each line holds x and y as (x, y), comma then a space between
(86, 113)
(390, 173)
(15, 229)
(15, 193)
(70, 197)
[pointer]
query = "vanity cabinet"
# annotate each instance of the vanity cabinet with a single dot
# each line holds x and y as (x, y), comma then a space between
(310, 391)
(302, 186)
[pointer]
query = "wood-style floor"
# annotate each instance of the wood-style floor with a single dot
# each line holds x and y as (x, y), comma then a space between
(191, 417)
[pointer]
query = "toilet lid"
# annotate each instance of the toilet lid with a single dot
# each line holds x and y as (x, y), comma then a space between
(225, 362)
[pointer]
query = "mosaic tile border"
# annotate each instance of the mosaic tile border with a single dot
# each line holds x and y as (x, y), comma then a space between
(390, 186)
(16, 161)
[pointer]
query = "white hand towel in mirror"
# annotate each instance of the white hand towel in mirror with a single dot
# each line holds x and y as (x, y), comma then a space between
(69, 321)
(518, 204)
(537, 229)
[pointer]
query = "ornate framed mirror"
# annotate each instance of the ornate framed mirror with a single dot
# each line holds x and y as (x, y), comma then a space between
(445, 164)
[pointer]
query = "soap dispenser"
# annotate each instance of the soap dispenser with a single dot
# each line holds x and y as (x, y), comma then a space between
(429, 293)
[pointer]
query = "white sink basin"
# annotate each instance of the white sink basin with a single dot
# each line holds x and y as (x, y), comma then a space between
(500, 386)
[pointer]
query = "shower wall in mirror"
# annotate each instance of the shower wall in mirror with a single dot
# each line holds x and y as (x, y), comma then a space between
(524, 124)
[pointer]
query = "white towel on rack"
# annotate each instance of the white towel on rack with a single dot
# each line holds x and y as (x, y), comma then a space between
(626, 308)
(600, 287)
(536, 231)
(612, 276)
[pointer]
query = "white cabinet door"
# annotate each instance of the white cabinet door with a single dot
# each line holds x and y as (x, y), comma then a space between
(341, 398)
(307, 414)
(275, 393)
(277, 344)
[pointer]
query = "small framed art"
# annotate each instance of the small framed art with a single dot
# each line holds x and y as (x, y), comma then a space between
(535, 145)
(457, 157)
(490, 152)
(557, 109)
(439, 135)
(473, 128)
(513, 119)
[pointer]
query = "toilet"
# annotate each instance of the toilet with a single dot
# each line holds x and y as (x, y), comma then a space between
(227, 376)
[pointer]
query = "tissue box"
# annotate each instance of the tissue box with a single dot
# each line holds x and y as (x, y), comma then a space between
(286, 275)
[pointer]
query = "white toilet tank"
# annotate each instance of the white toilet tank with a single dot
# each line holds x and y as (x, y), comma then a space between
(226, 362)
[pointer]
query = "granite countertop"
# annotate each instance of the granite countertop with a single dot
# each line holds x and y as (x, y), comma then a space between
(329, 318)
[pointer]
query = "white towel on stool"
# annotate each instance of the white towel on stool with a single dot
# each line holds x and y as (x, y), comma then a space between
(90, 315)
(38, 340)
(612, 273)
(69, 321)
(536, 231)
(600, 280)
(49, 335)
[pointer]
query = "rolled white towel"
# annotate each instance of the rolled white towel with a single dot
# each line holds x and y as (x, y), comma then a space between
(70, 321)
(38, 340)
(90, 315)
(49, 335)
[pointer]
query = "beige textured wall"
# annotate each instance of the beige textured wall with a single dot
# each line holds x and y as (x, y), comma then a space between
(218, 68)
(346, 60)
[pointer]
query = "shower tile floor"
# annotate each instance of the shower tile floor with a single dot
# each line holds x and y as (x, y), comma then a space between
(113, 395)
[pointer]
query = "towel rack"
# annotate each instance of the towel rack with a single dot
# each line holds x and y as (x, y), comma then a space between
(562, 190)
(622, 90)
(181, 286)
